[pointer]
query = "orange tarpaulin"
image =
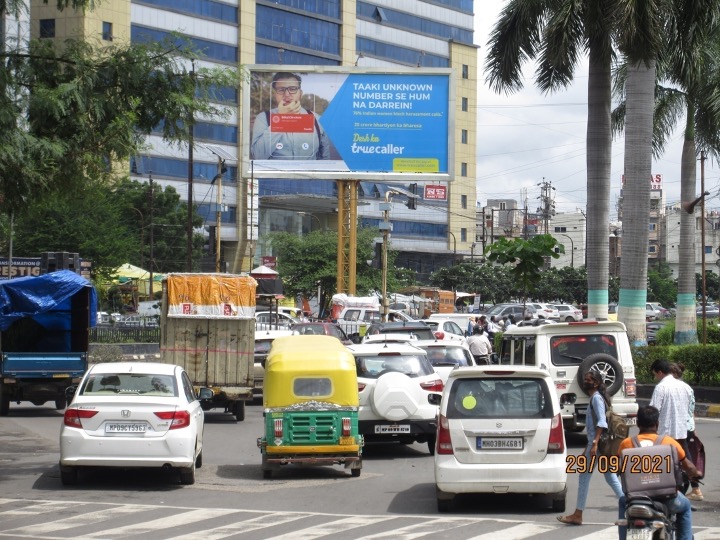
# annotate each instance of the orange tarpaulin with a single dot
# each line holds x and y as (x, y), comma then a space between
(211, 295)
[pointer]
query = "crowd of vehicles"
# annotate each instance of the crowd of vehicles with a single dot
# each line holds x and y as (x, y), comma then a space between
(490, 428)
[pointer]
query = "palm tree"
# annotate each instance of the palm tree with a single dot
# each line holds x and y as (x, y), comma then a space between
(559, 32)
(672, 32)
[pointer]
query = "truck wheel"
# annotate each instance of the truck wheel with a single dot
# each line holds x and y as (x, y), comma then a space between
(4, 402)
(239, 410)
(187, 475)
(68, 476)
(60, 404)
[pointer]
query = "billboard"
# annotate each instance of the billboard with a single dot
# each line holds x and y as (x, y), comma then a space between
(389, 124)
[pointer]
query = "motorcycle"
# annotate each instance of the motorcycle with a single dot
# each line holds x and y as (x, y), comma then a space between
(648, 519)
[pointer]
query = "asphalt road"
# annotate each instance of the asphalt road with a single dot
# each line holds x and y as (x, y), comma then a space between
(394, 496)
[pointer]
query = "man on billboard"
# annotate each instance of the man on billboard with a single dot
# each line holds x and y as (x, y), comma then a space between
(288, 131)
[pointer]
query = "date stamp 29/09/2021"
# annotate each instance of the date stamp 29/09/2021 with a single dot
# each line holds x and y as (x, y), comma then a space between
(619, 464)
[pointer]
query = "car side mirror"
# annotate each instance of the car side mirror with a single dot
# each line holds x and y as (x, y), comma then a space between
(205, 393)
(70, 393)
(434, 399)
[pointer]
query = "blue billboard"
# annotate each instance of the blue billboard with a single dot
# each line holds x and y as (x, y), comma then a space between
(336, 123)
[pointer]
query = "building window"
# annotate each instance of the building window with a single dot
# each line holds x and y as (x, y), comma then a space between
(463, 202)
(47, 28)
(464, 104)
(464, 136)
(465, 71)
(463, 234)
(708, 250)
(653, 227)
(463, 169)
(503, 206)
(560, 229)
(107, 34)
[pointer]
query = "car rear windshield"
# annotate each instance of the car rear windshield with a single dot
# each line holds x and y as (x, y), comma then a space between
(371, 367)
(572, 350)
(522, 349)
(424, 332)
(446, 356)
(130, 384)
(499, 398)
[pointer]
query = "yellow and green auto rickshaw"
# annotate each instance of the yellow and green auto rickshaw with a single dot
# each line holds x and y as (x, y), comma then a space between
(310, 405)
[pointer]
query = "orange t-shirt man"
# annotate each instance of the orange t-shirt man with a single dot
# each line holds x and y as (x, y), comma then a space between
(648, 439)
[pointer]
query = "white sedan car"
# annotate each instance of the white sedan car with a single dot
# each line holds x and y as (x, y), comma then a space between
(500, 431)
(132, 414)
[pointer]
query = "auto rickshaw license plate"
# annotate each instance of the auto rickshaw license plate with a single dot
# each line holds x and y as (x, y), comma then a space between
(347, 440)
(395, 428)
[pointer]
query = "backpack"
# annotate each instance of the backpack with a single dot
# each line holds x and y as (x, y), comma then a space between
(650, 471)
(616, 432)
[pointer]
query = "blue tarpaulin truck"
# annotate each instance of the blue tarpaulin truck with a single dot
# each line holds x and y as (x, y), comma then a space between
(44, 334)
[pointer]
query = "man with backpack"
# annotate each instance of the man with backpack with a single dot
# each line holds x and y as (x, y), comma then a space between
(648, 422)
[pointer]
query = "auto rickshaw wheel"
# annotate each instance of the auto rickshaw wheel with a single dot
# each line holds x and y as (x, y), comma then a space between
(266, 470)
(355, 472)
(267, 474)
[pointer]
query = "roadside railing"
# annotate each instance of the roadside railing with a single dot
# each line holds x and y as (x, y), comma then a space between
(109, 334)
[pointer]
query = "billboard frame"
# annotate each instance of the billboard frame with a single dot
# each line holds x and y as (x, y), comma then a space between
(254, 168)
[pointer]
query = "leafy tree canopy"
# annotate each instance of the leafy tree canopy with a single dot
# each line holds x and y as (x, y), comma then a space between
(67, 113)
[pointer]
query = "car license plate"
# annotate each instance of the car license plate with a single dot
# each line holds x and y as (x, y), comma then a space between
(639, 534)
(500, 443)
(630, 421)
(395, 428)
(125, 428)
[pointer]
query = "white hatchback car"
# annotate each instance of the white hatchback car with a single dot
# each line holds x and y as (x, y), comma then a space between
(132, 414)
(447, 329)
(569, 313)
(445, 356)
(394, 382)
(547, 311)
(500, 431)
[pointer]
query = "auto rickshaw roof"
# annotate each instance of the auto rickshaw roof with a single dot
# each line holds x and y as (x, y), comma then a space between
(293, 357)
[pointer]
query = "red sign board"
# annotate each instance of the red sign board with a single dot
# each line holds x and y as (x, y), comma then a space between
(435, 193)
(269, 261)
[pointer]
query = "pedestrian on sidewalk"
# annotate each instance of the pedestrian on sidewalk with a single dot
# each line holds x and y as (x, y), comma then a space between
(677, 370)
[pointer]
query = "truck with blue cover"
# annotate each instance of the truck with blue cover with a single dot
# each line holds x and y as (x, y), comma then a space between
(45, 326)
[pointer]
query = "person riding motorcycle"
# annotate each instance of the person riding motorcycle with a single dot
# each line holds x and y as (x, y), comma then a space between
(648, 422)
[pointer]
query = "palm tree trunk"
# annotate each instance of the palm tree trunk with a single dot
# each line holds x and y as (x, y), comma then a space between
(599, 153)
(686, 319)
(640, 92)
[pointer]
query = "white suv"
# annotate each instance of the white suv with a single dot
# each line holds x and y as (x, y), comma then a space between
(394, 382)
(568, 351)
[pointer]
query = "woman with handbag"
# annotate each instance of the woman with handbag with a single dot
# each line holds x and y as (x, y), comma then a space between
(596, 424)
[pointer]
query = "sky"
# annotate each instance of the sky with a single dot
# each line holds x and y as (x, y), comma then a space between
(528, 137)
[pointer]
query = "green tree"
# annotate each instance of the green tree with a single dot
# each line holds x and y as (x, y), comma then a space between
(525, 258)
(662, 287)
(557, 32)
(306, 262)
(66, 114)
(646, 32)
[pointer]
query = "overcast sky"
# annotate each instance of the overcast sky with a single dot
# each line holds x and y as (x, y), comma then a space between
(529, 137)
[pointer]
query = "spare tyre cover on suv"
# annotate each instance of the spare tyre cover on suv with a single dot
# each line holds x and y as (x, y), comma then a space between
(396, 396)
(608, 367)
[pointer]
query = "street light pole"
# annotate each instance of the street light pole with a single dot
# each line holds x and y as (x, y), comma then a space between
(454, 247)
(385, 227)
(572, 249)
(152, 240)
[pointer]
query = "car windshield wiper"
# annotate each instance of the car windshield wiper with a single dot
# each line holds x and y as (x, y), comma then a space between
(573, 357)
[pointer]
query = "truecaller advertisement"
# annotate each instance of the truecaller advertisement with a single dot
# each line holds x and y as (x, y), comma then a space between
(339, 123)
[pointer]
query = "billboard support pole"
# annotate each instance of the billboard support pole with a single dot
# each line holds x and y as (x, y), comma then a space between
(347, 236)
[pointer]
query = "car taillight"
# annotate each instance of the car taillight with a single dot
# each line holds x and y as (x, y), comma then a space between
(432, 386)
(278, 425)
(556, 442)
(630, 388)
(444, 444)
(439, 334)
(178, 419)
(361, 386)
(73, 417)
(346, 426)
